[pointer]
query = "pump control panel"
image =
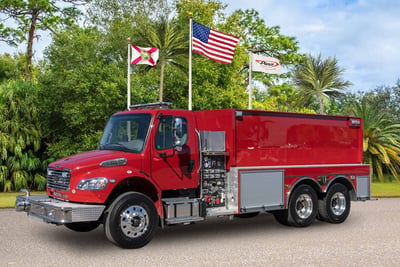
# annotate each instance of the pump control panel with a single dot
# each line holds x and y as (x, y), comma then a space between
(213, 173)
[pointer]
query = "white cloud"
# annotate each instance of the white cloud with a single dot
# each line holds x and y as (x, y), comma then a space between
(314, 28)
(363, 35)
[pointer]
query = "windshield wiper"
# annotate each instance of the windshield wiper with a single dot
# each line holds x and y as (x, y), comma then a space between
(115, 144)
(111, 145)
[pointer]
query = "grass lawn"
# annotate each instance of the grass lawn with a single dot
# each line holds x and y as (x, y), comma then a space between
(388, 189)
(7, 200)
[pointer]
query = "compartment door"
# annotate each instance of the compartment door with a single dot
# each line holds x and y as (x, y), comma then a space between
(261, 190)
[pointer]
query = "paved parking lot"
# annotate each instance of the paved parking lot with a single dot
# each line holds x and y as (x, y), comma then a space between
(369, 237)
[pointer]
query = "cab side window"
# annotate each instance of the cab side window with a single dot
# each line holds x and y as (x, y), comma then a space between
(164, 138)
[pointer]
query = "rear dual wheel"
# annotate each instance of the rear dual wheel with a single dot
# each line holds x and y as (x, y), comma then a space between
(302, 209)
(303, 206)
(335, 207)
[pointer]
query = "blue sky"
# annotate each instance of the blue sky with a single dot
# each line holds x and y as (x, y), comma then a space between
(364, 35)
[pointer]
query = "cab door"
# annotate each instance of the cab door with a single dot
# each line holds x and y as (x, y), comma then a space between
(174, 168)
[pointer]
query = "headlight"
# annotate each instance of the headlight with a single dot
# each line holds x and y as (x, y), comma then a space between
(98, 183)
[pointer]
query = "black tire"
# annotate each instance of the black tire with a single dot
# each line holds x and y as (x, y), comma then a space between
(335, 207)
(303, 206)
(282, 216)
(82, 226)
(247, 215)
(131, 220)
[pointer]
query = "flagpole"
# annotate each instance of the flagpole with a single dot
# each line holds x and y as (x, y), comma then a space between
(129, 75)
(250, 80)
(190, 60)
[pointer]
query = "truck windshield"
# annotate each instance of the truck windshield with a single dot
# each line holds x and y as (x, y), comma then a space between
(126, 133)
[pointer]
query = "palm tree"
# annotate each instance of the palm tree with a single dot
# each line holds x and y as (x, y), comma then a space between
(381, 140)
(319, 79)
(172, 43)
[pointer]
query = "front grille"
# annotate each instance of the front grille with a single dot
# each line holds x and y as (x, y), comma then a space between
(58, 178)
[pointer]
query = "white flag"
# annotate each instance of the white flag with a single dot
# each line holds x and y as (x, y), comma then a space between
(141, 55)
(265, 64)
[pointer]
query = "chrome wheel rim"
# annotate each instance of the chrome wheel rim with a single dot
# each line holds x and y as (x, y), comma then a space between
(338, 203)
(134, 221)
(304, 206)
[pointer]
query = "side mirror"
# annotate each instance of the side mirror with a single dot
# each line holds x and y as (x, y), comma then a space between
(177, 133)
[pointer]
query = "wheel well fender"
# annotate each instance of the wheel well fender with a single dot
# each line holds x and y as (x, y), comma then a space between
(136, 184)
(308, 181)
(344, 181)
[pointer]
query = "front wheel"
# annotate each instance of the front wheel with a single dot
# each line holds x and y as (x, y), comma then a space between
(131, 220)
(303, 206)
(335, 207)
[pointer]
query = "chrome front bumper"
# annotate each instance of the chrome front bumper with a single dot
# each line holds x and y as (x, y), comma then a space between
(57, 211)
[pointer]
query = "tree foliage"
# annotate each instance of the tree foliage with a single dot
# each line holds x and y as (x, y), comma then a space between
(268, 41)
(79, 91)
(20, 137)
(282, 97)
(11, 67)
(386, 99)
(103, 13)
(25, 17)
(381, 140)
(256, 37)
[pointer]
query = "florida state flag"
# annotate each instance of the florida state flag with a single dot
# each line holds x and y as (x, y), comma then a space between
(143, 55)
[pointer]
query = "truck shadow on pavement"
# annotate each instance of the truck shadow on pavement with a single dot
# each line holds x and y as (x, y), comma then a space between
(216, 229)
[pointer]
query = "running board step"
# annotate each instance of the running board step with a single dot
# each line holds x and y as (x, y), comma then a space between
(184, 220)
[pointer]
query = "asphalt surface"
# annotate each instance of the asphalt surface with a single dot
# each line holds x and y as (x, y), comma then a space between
(369, 237)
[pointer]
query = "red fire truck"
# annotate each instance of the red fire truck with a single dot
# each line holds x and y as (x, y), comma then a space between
(156, 167)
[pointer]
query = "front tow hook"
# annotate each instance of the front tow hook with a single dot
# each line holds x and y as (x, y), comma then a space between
(22, 202)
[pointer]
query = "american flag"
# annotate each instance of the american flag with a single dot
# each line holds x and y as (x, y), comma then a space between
(213, 44)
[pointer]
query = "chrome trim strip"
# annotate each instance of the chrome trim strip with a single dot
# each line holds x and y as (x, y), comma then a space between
(301, 166)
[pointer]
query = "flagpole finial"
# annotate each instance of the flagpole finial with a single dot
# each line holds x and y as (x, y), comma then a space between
(190, 14)
(129, 40)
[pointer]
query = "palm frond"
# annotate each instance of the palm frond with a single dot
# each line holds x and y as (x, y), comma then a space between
(381, 141)
(318, 80)
(172, 43)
